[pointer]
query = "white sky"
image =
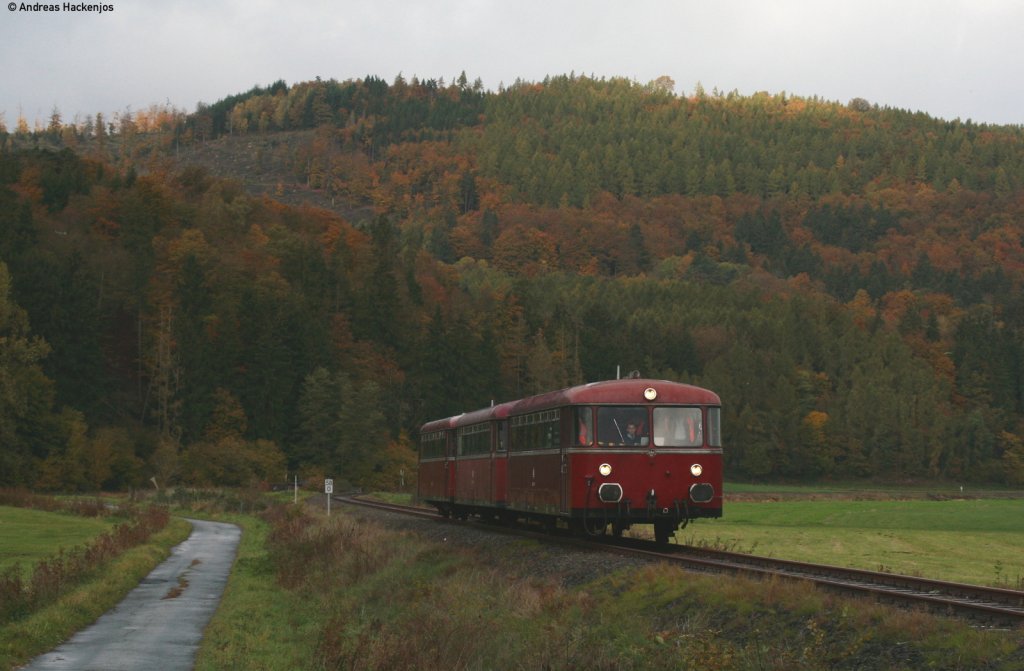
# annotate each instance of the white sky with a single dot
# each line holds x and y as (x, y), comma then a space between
(950, 58)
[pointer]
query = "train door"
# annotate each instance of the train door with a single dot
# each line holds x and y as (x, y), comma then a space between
(450, 465)
(499, 465)
(567, 431)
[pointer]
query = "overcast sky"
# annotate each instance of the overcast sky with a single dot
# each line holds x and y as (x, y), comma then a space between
(948, 58)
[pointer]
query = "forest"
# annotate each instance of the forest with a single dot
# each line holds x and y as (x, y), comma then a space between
(290, 280)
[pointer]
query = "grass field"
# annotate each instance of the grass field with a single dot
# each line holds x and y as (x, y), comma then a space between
(45, 629)
(359, 596)
(26, 536)
(975, 541)
(312, 592)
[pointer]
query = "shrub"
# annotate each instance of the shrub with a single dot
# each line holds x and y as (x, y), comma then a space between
(52, 577)
(23, 498)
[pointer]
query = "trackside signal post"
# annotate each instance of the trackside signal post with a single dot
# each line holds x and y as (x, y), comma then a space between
(329, 489)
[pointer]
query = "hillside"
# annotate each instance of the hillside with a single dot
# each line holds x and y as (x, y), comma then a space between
(262, 164)
(292, 267)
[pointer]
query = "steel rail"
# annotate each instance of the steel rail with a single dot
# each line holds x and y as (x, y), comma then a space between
(1010, 598)
(990, 604)
(429, 513)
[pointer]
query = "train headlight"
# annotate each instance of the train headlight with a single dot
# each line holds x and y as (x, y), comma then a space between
(610, 492)
(605, 469)
(702, 492)
(696, 470)
(650, 393)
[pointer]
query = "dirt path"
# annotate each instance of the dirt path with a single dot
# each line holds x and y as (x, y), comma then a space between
(160, 623)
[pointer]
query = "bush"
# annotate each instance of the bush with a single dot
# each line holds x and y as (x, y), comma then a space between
(23, 498)
(52, 577)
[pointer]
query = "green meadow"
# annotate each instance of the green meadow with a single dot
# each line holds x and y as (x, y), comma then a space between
(29, 536)
(26, 535)
(976, 541)
(357, 594)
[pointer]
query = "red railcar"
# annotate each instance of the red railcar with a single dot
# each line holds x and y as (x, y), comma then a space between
(606, 454)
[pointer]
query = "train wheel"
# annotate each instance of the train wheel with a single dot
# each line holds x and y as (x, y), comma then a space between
(663, 531)
(594, 527)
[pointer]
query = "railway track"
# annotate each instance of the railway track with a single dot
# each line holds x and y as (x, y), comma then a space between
(991, 605)
(428, 513)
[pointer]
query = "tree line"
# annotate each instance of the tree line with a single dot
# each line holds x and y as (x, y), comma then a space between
(847, 277)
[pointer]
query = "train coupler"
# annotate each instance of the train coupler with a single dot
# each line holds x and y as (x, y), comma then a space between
(682, 512)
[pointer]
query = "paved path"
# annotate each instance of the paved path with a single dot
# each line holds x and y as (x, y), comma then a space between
(160, 623)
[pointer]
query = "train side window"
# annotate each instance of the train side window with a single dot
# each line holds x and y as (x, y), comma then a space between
(715, 427)
(536, 431)
(550, 425)
(583, 426)
(517, 435)
(474, 440)
(432, 445)
(502, 436)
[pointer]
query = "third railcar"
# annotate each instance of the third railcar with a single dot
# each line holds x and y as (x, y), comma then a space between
(612, 453)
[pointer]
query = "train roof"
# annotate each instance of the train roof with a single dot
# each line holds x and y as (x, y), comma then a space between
(500, 411)
(609, 392)
(438, 424)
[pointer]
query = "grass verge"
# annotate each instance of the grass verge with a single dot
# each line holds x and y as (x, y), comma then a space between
(259, 625)
(42, 631)
(311, 592)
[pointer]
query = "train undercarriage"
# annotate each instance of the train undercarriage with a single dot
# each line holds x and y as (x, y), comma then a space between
(592, 522)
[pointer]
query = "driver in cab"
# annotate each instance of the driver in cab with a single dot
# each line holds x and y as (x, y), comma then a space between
(632, 435)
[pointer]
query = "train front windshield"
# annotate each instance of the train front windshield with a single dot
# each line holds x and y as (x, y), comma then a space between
(662, 427)
(678, 427)
(622, 425)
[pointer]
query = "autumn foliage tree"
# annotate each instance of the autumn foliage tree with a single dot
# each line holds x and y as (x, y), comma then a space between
(846, 276)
